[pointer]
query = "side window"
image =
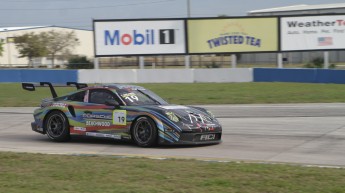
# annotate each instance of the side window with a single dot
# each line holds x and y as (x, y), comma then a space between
(100, 96)
(79, 96)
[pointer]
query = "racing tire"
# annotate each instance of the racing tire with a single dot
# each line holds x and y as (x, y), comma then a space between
(57, 127)
(144, 132)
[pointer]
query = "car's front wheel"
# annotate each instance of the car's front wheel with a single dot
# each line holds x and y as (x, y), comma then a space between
(144, 132)
(57, 126)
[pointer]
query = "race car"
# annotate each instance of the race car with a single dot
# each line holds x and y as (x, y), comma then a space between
(122, 112)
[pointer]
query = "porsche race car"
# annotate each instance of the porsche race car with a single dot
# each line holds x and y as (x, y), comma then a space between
(122, 112)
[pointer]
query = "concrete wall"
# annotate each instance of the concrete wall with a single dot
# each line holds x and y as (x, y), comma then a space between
(223, 75)
(166, 75)
(107, 76)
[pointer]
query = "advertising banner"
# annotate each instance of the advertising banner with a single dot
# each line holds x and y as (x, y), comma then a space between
(116, 38)
(312, 33)
(232, 35)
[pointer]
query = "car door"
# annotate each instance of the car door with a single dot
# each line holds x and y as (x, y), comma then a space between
(77, 102)
(100, 119)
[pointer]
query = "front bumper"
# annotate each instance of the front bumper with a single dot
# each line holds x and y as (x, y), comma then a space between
(36, 128)
(195, 139)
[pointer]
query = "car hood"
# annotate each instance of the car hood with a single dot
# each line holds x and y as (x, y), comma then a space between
(187, 117)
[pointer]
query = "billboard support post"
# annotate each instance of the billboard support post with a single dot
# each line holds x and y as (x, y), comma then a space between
(326, 60)
(233, 61)
(96, 63)
(141, 62)
(187, 61)
(280, 60)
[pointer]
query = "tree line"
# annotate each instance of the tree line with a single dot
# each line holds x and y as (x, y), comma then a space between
(44, 44)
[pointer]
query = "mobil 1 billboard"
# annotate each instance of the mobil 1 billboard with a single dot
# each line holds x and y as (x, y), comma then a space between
(144, 37)
(325, 32)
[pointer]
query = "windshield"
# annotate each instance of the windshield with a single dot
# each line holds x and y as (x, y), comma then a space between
(140, 97)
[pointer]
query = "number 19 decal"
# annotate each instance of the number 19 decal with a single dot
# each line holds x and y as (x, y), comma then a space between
(119, 117)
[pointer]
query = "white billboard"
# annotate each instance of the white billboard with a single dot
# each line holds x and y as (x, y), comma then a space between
(312, 33)
(114, 38)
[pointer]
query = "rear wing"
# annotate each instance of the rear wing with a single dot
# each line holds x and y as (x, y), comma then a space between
(32, 86)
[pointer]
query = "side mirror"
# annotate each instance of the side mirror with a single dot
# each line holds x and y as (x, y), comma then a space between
(113, 103)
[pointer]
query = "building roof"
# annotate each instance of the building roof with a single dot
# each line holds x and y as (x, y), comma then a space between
(6, 29)
(301, 7)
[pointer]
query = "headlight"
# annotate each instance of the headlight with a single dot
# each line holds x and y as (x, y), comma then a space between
(172, 116)
(211, 114)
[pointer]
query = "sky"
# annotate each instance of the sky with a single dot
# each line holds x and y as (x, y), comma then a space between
(80, 13)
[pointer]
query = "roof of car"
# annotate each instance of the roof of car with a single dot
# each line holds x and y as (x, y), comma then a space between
(302, 7)
(119, 86)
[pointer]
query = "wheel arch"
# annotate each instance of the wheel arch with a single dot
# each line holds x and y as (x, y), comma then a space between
(152, 119)
(49, 112)
(143, 115)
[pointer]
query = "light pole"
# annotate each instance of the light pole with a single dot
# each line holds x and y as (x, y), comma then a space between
(188, 8)
(187, 57)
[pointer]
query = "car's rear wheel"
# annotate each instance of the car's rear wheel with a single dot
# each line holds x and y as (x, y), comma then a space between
(144, 132)
(57, 126)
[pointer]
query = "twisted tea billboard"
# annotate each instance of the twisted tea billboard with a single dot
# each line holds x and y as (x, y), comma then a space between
(232, 35)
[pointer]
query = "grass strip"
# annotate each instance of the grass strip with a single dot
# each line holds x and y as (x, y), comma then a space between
(22, 172)
(11, 94)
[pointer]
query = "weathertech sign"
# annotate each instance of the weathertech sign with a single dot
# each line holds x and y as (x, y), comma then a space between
(139, 37)
(312, 33)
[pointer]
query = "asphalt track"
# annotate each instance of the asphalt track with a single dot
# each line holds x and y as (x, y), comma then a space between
(308, 134)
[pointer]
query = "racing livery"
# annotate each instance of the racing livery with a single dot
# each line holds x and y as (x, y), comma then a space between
(123, 112)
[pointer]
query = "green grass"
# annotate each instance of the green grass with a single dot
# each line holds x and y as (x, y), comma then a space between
(52, 173)
(12, 95)
(249, 93)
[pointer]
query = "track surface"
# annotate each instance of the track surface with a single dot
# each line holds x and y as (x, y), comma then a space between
(296, 133)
